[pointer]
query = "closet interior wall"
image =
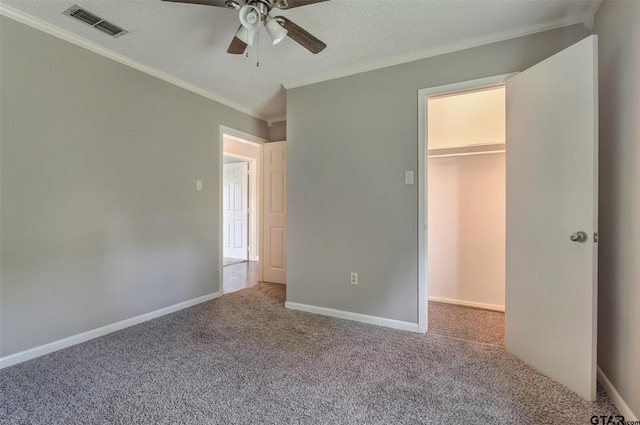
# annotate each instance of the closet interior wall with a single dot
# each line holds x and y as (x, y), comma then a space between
(466, 198)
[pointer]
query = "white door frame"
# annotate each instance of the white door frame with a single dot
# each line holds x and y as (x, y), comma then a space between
(250, 138)
(423, 94)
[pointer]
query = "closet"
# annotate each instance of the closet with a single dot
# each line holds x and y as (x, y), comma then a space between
(466, 198)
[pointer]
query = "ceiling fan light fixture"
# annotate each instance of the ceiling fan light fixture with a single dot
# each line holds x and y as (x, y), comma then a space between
(250, 17)
(246, 35)
(275, 30)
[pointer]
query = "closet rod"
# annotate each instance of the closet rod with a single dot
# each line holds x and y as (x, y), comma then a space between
(449, 155)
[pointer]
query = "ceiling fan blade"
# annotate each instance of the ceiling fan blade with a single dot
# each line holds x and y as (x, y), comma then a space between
(218, 3)
(290, 4)
(237, 46)
(301, 36)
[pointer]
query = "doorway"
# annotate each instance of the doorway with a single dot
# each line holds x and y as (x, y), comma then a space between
(235, 210)
(466, 213)
(460, 154)
(240, 209)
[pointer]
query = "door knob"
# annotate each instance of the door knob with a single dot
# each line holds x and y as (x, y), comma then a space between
(580, 237)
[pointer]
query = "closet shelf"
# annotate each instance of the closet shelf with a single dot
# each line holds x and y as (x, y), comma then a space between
(470, 150)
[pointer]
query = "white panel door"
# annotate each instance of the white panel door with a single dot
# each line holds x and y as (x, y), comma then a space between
(234, 210)
(552, 181)
(275, 213)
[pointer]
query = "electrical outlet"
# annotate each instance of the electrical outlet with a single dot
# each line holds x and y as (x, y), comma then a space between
(354, 278)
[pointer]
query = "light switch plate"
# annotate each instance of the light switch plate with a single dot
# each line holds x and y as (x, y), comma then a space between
(408, 177)
(198, 185)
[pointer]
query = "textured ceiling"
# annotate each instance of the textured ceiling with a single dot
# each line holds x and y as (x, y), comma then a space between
(189, 41)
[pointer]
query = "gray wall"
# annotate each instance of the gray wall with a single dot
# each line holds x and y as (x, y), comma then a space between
(349, 142)
(278, 131)
(618, 27)
(100, 218)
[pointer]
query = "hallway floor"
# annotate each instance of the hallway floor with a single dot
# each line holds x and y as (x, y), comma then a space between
(240, 276)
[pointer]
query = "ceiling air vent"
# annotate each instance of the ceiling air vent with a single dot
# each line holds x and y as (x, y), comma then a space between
(109, 28)
(95, 21)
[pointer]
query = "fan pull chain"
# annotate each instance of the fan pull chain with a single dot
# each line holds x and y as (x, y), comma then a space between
(258, 37)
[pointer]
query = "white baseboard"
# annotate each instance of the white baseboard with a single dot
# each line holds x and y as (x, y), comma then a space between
(492, 307)
(32, 353)
(373, 320)
(615, 397)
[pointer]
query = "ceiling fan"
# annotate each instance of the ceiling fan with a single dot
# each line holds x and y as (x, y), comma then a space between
(254, 13)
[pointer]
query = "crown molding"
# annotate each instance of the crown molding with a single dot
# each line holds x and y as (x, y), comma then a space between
(443, 49)
(55, 31)
(586, 18)
(593, 8)
(276, 119)
(590, 14)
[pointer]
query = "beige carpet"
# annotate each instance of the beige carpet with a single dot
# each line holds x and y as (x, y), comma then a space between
(467, 323)
(244, 359)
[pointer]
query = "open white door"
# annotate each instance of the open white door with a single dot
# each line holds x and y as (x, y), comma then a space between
(234, 210)
(552, 182)
(275, 213)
